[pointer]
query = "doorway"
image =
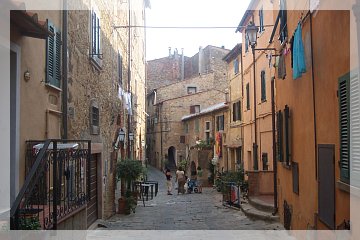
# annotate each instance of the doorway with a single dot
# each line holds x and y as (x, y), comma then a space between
(171, 157)
(326, 184)
(15, 51)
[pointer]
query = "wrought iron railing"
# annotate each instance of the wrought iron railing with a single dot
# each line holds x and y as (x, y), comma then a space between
(56, 184)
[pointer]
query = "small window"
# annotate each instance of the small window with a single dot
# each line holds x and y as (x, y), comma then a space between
(264, 158)
(207, 136)
(194, 109)
(220, 123)
(182, 139)
(95, 37)
(247, 96)
(94, 118)
(207, 126)
(236, 111)
(246, 44)
(236, 66)
(186, 127)
(261, 19)
(191, 90)
(263, 87)
(53, 57)
(196, 125)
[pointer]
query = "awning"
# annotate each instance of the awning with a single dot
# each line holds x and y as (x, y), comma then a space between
(29, 25)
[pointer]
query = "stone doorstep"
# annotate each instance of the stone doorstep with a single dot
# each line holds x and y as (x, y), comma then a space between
(250, 211)
(261, 205)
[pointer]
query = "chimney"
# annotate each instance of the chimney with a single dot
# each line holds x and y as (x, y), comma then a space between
(182, 64)
(201, 67)
(169, 52)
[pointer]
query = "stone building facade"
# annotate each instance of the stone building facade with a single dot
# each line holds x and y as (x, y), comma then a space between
(205, 134)
(167, 104)
(100, 72)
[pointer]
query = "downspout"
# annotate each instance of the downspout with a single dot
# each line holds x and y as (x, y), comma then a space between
(129, 81)
(64, 72)
(273, 143)
(313, 90)
(255, 147)
(242, 99)
(161, 136)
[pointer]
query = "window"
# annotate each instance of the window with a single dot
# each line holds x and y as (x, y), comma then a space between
(220, 123)
(261, 19)
(207, 131)
(182, 139)
(194, 109)
(186, 127)
(344, 118)
(196, 125)
(263, 86)
(284, 135)
(247, 96)
(246, 44)
(53, 57)
(236, 66)
(120, 69)
(238, 155)
(94, 118)
(191, 90)
(95, 37)
(236, 111)
(264, 158)
(287, 134)
(283, 22)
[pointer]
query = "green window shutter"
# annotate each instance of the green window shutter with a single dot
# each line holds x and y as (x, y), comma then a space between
(263, 86)
(280, 136)
(234, 112)
(50, 55)
(57, 60)
(53, 57)
(239, 110)
(344, 124)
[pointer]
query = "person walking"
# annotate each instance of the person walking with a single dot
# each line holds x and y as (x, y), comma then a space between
(168, 181)
(180, 178)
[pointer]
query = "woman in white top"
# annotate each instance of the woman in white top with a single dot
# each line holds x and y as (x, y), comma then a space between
(180, 178)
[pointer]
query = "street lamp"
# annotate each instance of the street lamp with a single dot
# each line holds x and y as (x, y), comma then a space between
(120, 138)
(251, 33)
(131, 136)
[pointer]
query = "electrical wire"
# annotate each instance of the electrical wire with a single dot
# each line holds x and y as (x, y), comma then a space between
(184, 27)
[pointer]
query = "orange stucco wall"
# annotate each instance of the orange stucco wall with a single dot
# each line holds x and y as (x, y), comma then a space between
(330, 62)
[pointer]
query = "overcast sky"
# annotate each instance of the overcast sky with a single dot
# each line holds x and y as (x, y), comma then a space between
(179, 13)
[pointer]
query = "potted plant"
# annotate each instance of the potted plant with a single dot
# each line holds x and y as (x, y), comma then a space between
(128, 171)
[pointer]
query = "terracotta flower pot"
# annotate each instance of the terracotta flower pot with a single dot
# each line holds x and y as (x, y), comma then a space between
(122, 206)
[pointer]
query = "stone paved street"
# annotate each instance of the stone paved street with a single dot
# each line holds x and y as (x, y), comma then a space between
(185, 212)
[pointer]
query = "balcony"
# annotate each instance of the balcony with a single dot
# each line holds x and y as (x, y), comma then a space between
(56, 184)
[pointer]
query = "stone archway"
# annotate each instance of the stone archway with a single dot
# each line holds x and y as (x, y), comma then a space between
(171, 157)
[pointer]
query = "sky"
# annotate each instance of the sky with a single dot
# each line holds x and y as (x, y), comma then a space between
(179, 13)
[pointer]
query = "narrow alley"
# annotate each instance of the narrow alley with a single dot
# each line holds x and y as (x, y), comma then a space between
(184, 212)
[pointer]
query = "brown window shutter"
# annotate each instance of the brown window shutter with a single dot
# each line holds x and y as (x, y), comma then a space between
(192, 109)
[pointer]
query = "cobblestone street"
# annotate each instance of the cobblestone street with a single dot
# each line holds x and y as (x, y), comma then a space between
(185, 212)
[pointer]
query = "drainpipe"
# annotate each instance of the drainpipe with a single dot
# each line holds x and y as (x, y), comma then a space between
(255, 146)
(273, 143)
(313, 90)
(64, 72)
(161, 135)
(129, 81)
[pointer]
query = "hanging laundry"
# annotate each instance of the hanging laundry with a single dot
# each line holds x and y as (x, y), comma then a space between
(299, 66)
(120, 93)
(292, 50)
(270, 59)
(281, 67)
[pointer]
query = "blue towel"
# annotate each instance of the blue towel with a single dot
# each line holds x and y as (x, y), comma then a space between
(299, 66)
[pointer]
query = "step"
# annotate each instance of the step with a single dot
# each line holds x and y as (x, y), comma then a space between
(261, 205)
(252, 212)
